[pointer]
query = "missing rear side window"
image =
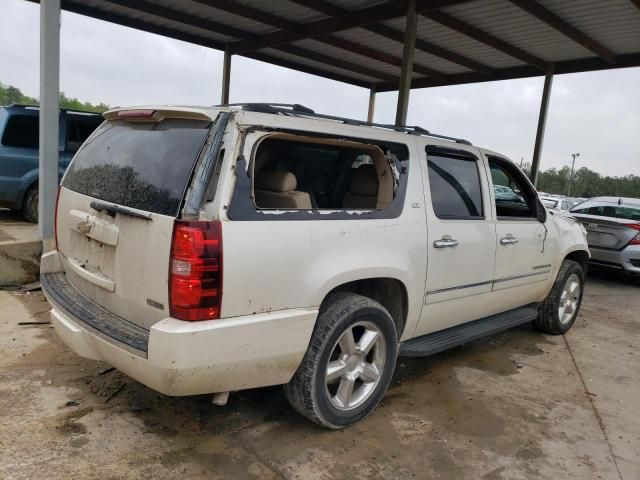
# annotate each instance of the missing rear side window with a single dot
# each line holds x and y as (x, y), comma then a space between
(296, 172)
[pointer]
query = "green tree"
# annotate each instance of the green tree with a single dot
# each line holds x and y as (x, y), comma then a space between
(10, 94)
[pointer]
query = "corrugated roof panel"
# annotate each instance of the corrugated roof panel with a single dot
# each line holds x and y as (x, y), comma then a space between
(199, 10)
(348, 56)
(285, 9)
(330, 68)
(511, 24)
(156, 20)
(393, 47)
(613, 23)
(356, 4)
(460, 44)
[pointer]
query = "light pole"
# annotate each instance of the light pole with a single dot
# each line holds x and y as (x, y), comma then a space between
(573, 164)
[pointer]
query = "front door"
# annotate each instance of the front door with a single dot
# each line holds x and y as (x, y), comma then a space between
(461, 246)
(523, 253)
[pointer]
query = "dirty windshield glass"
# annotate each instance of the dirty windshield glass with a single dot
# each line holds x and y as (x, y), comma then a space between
(141, 165)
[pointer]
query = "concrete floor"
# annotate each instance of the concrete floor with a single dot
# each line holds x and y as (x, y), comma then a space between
(520, 405)
(20, 249)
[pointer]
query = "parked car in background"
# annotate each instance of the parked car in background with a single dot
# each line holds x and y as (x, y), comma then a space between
(19, 131)
(207, 250)
(613, 231)
(563, 204)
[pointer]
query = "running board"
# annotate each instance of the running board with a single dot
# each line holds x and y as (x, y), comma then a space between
(452, 337)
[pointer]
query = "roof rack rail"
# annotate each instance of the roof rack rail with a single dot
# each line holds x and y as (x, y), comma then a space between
(297, 109)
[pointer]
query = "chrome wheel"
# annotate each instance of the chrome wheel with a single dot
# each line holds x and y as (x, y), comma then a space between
(569, 298)
(355, 365)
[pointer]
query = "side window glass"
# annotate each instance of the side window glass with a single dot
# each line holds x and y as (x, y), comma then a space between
(512, 194)
(21, 131)
(454, 180)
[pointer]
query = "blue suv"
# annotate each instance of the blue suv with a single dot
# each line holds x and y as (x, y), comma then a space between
(19, 152)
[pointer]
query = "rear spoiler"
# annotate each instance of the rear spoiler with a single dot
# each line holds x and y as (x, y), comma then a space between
(140, 114)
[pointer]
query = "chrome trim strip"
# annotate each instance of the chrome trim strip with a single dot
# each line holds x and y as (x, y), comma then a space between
(488, 282)
(516, 277)
(448, 289)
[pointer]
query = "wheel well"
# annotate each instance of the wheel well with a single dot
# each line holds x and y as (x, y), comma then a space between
(389, 292)
(26, 191)
(581, 257)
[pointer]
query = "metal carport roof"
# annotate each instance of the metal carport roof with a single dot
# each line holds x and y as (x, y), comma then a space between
(360, 42)
(380, 45)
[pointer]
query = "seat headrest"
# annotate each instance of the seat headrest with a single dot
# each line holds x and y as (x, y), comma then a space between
(364, 181)
(276, 181)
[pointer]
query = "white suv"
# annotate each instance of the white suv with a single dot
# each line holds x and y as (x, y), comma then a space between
(207, 250)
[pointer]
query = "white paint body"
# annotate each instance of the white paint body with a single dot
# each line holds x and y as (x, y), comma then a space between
(277, 273)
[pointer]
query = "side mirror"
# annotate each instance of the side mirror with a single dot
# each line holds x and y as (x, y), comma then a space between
(541, 212)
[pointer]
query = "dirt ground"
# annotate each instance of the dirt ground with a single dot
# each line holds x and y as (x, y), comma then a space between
(520, 405)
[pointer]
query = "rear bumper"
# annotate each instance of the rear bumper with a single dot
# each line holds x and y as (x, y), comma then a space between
(627, 260)
(188, 358)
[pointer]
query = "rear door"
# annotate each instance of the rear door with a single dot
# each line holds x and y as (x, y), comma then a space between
(461, 246)
(116, 209)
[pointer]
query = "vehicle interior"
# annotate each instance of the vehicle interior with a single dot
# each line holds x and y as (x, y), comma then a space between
(304, 172)
(513, 196)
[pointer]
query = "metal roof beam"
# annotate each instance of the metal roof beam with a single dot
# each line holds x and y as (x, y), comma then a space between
(126, 21)
(393, 34)
(355, 18)
(432, 49)
(328, 39)
(377, 55)
(181, 17)
(564, 27)
(484, 37)
(588, 64)
(205, 24)
(336, 62)
(335, 23)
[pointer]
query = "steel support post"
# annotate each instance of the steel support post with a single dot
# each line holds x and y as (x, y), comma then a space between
(49, 118)
(372, 104)
(542, 121)
(407, 63)
(226, 77)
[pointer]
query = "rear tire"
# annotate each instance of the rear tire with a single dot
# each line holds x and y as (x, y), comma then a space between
(30, 204)
(349, 363)
(560, 309)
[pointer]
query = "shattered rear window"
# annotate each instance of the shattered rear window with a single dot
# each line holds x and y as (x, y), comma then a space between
(140, 165)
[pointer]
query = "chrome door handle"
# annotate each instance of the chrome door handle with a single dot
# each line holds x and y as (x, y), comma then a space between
(509, 239)
(445, 242)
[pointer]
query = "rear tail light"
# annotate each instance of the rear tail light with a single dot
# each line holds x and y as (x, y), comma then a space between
(635, 240)
(195, 270)
(55, 219)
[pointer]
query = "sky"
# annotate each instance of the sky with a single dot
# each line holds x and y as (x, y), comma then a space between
(596, 114)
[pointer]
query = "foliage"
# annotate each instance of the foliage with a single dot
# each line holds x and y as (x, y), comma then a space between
(586, 183)
(10, 94)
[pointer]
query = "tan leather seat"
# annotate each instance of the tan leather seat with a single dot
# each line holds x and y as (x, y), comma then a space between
(275, 189)
(363, 191)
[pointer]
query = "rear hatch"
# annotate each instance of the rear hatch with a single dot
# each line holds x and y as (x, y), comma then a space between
(608, 233)
(117, 205)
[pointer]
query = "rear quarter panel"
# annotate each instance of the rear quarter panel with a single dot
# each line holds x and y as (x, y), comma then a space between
(280, 264)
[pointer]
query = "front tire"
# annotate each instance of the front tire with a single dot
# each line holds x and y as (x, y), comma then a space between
(349, 363)
(30, 204)
(560, 309)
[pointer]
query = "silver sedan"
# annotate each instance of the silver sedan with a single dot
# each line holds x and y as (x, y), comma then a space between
(613, 231)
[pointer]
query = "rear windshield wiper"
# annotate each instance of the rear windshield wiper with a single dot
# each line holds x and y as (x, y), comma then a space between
(113, 209)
